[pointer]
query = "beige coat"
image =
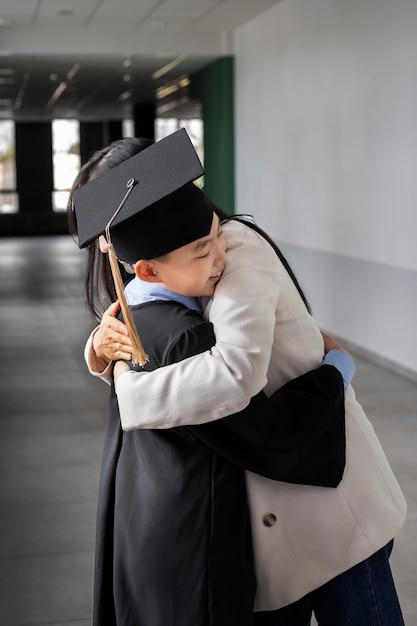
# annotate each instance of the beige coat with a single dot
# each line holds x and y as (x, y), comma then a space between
(303, 536)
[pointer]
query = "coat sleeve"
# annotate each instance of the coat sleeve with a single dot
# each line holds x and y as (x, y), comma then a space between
(296, 436)
(106, 374)
(220, 381)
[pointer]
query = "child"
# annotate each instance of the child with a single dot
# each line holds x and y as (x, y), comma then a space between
(173, 531)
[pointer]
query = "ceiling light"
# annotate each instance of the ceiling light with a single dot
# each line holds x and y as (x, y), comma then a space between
(168, 67)
(63, 85)
(73, 71)
(163, 92)
(125, 95)
(57, 93)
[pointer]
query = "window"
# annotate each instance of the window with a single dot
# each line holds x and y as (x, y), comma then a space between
(194, 127)
(9, 202)
(66, 150)
(128, 128)
(66, 160)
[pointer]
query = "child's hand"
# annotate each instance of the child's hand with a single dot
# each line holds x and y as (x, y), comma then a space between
(331, 344)
(111, 341)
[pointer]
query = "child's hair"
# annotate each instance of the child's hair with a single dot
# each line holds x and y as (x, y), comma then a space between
(99, 285)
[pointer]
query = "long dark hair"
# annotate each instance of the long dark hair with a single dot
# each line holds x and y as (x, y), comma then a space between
(100, 291)
(99, 286)
(247, 219)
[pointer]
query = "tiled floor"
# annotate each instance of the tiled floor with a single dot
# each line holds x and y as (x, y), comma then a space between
(51, 429)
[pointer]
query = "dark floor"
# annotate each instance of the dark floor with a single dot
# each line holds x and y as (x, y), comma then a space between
(51, 430)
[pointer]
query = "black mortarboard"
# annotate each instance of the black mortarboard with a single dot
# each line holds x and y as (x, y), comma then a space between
(147, 206)
(163, 209)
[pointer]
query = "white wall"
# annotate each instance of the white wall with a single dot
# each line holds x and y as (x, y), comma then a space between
(326, 127)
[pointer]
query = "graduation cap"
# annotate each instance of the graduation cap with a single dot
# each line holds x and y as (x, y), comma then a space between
(148, 201)
(146, 207)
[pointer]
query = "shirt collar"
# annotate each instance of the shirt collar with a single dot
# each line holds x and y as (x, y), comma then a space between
(138, 291)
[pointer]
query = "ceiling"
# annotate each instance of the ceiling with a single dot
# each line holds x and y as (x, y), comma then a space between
(95, 59)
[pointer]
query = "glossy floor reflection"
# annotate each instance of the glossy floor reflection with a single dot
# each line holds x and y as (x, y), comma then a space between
(52, 417)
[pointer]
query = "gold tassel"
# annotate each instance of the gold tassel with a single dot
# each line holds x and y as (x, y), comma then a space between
(139, 357)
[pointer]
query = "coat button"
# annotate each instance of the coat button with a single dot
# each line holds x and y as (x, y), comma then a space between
(269, 520)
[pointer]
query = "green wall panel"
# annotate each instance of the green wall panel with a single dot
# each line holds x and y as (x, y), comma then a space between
(213, 86)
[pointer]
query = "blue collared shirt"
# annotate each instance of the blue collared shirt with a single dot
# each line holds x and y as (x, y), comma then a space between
(138, 291)
(342, 362)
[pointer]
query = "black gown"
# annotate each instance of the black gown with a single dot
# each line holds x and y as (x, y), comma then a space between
(173, 541)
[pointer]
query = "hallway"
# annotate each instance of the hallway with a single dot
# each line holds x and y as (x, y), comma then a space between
(52, 416)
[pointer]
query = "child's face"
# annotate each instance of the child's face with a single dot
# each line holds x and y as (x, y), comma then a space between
(194, 269)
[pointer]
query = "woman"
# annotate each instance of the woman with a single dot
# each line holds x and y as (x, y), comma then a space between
(315, 549)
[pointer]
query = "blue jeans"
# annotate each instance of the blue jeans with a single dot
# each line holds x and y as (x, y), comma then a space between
(365, 595)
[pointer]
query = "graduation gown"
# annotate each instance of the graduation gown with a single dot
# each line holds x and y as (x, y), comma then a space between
(173, 544)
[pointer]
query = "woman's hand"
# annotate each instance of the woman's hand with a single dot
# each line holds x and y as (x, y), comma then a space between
(110, 340)
(331, 344)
